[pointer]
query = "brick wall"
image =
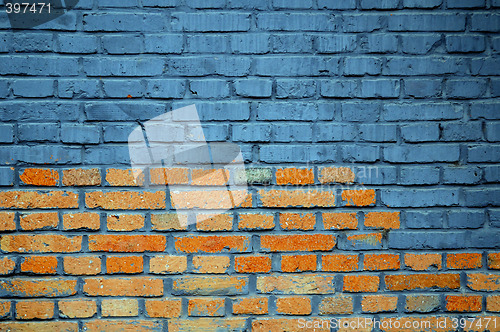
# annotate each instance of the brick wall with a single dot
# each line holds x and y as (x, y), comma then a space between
(370, 130)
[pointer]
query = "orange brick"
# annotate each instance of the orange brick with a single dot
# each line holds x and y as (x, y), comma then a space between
(255, 221)
(7, 222)
(464, 261)
(493, 303)
(84, 220)
(40, 177)
(386, 220)
(214, 222)
(252, 264)
(423, 262)
(431, 323)
(207, 324)
(40, 264)
(168, 176)
(5, 309)
(124, 264)
(200, 307)
(40, 243)
(119, 308)
(313, 242)
(422, 303)
(163, 308)
(7, 265)
(45, 326)
(38, 200)
(339, 263)
(125, 200)
(209, 199)
(336, 305)
(209, 177)
(422, 281)
(210, 264)
(38, 221)
(336, 175)
(298, 263)
(168, 221)
(296, 284)
(494, 260)
(136, 286)
(483, 281)
(167, 264)
(294, 176)
(34, 309)
(360, 283)
(113, 325)
(77, 308)
(378, 262)
(210, 285)
(81, 177)
(289, 325)
(286, 198)
(250, 306)
(82, 265)
(43, 287)
(379, 303)
(358, 197)
(127, 243)
(293, 305)
(340, 220)
(301, 221)
(211, 244)
(125, 222)
(464, 303)
(124, 177)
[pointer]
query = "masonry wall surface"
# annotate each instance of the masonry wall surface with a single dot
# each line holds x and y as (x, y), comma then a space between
(370, 131)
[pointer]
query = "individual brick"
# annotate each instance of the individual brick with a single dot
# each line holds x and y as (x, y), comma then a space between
(168, 221)
(336, 305)
(81, 177)
(82, 265)
(363, 241)
(121, 325)
(360, 283)
(212, 244)
(39, 177)
(81, 221)
(125, 222)
(379, 303)
(294, 176)
(250, 306)
(483, 282)
(295, 198)
(494, 260)
(296, 284)
(214, 222)
(40, 243)
(125, 200)
(34, 200)
(137, 286)
(34, 309)
(39, 264)
(124, 264)
(46, 287)
(235, 324)
(493, 303)
(126, 243)
(316, 242)
(7, 265)
(119, 308)
(293, 305)
(464, 261)
(124, 177)
(423, 262)
(298, 263)
(160, 264)
(422, 303)
(282, 324)
(422, 281)
(339, 263)
(209, 199)
(252, 264)
(211, 264)
(464, 303)
(385, 220)
(299, 221)
(358, 197)
(38, 221)
(167, 308)
(255, 221)
(340, 220)
(164, 176)
(200, 307)
(77, 308)
(378, 262)
(210, 285)
(209, 177)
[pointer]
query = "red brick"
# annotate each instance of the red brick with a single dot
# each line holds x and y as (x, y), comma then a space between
(464, 261)
(82, 265)
(494, 260)
(46, 287)
(77, 308)
(250, 306)
(168, 221)
(34, 309)
(38, 200)
(7, 222)
(125, 222)
(40, 177)
(493, 303)
(358, 197)
(40, 243)
(422, 281)
(464, 303)
(209, 177)
(119, 308)
(386, 220)
(125, 200)
(294, 176)
(124, 177)
(211, 244)
(286, 198)
(210, 199)
(39, 264)
(422, 303)
(293, 305)
(360, 283)
(81, 177)
(164, 176)
(379, 303)
(339, 263)
(378, 262)
(313, 242)
(7, 265)
(214, 222)
(340, 220)
(483, 281)
(336, 305)
(207, 324)
(336, 175)
(39, 326)
(38, 221)
(210, 264)
(124, 264)
(127, 243)
(252, 264)
(300, 221)
(255, 221)
(200, 307)
(298, 263)
(423, 262)
(122, 325)
(84, 220)
(296, 284)
(167, 264)
(165, 308)
(136, 286)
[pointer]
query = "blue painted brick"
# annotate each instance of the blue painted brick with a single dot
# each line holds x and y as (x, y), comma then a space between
(426, 132)
(209, 88)
(371, 174)
(470, 131)
(495, 44)
(328, 110)
(295, 22)
(77, 43)
(493, 131)
(112, 22)
(292, 4)
(338, 88)
(492, 173)
(419, 175)
(331, 132)
(48, 154)
(165, 88)
(212, 133)
(360, 111)
(335, 43)
(249, 4)
(253, 87)
(252, 133)
(379, 4)
(5, 42)
(426, 22)
(78, 88)
(123, 67)
(215, 111)
(296, 66)
(465, 89)
(6, 176)
(424, 219)
(210, 22)
(485, 238)
(161, 3)
(122, 88)
(485, 110)
(79, 133)
(419, 197)
(482, 197)
(485, 66)
(292, 43)
(465, 44)
(360, 153)
(250, 43)
(207, 44)
(37, 88)
(39, 65)
(429, 153)
(40, 42)
(414, 111)
(297, 153)
(461, 175)
(36, 111)
(427, 240)
(203, 66)
(484, 153)
(293, 133)
(465, 219)
(489, 22)
(425, 66)
(106, 155)
(379, 43)
(117, 132)
(290, 88)
(378, 132)
(200, 4)
(122, 111)
(122, 44)
(357, 66)
(285, 111)
(494, 217)
(380, 88)
(6, 133)
(4, 88)
(163, 43)
(339, 5)
(66, 22)
(422, 88)
(117, 3)
(345, 243)
(38, 132)
(465, 3)
(495, 87)
(361, 22)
